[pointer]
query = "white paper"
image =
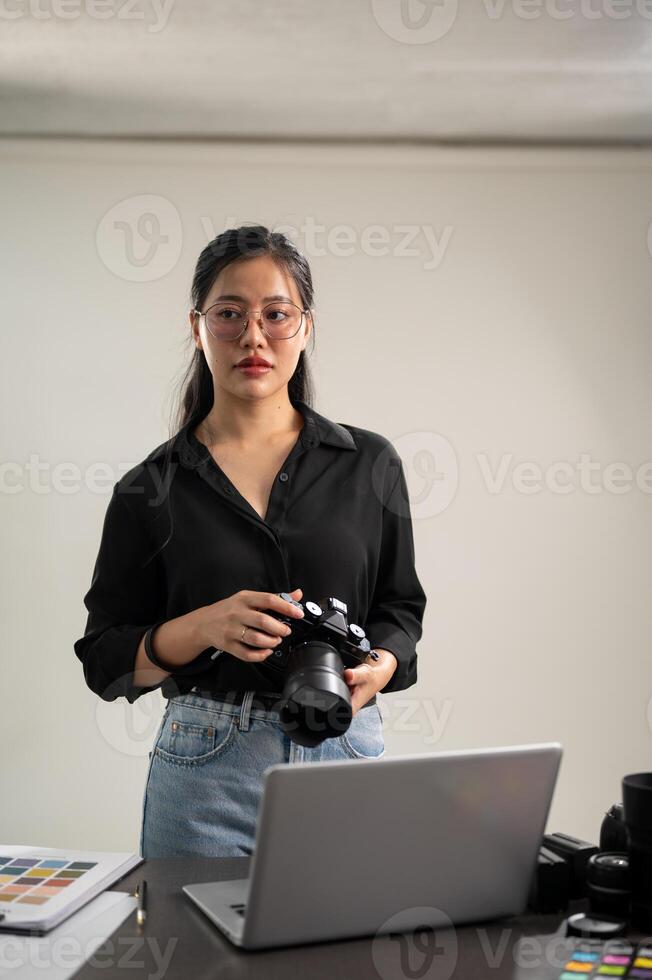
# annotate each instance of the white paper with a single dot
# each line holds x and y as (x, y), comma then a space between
(61, 952)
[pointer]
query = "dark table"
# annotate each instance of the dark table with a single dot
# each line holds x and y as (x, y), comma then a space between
(179, 941)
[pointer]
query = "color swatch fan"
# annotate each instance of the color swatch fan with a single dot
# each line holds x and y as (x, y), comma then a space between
(41, 886)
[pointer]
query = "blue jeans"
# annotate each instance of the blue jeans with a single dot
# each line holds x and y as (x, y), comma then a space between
(206, 772)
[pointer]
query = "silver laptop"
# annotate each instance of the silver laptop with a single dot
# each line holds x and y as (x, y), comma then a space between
(360, 847)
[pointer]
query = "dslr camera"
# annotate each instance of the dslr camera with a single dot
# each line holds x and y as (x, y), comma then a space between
(316, 703)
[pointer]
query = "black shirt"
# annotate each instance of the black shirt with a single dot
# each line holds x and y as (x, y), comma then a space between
(337, 524)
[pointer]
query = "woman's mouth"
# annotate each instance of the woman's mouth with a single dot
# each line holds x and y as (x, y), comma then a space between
(254, 369)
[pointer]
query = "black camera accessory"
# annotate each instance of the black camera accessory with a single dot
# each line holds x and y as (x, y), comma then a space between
(607, 883)
(637, 811)
(577, 853)
(590, 926)
(550, 883)
(613, 832)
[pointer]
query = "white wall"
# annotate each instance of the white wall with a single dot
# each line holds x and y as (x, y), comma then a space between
(528, 341)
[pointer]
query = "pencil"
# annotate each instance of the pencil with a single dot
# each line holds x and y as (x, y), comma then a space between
(141, 913)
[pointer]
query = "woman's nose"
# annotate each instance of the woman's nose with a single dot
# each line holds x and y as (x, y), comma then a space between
(253, 324)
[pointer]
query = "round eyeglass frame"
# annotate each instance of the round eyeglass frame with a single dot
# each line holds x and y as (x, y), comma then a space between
(259, 318)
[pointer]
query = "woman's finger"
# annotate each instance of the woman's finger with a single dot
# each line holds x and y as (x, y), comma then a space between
(249, 653)
(257, 638)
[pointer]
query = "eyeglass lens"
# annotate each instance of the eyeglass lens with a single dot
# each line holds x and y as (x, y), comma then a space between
(280, 320)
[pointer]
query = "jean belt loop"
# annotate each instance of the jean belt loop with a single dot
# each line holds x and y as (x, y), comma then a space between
(243, 723)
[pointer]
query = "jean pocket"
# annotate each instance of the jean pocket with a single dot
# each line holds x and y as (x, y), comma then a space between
(364, 736)
(192, 736)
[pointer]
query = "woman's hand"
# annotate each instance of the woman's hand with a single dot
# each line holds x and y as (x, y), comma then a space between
(222, 622)
(367, 679)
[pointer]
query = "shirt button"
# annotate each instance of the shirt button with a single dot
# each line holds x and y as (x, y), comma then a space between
(283, 477)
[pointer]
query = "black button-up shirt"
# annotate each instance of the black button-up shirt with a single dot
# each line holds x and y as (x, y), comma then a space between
(178, 535)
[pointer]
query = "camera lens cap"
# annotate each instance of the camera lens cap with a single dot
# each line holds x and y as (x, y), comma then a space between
(583, 924)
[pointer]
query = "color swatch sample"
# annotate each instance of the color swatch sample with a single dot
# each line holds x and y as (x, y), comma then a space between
(613, 958)
(32, 881)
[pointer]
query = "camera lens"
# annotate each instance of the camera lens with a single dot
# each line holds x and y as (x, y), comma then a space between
(637, 807)
(316, 703)
(607, 882)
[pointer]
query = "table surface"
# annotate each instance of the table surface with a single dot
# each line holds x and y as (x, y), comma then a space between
(179, 941)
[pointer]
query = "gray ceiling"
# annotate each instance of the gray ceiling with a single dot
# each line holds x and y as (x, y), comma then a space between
(472, 70)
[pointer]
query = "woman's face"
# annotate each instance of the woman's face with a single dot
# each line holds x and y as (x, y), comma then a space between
(254, 280)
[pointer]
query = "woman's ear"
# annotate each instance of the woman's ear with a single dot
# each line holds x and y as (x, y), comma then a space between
(309, 326)
(194, 328)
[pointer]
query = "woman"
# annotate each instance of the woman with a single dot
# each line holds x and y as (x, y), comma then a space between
(256, 494)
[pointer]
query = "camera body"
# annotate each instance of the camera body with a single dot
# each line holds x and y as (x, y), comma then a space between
(316, 703)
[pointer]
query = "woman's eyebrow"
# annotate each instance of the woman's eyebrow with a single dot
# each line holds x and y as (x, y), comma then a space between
(266, 299)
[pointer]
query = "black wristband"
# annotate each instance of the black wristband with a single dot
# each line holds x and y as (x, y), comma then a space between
(197, 666)
(150, 653)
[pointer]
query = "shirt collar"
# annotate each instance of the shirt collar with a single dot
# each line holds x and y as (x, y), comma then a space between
(317, 429)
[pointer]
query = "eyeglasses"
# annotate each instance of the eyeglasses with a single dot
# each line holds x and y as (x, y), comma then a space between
(279, 321)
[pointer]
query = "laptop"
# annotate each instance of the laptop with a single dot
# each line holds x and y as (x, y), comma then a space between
(350, 848)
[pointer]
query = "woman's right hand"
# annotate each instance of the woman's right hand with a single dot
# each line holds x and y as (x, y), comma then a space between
(221, 623)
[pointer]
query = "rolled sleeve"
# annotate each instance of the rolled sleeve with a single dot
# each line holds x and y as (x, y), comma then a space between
(125, 599)
(395, 619)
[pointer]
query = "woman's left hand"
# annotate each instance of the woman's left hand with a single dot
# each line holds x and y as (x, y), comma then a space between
(369, 677)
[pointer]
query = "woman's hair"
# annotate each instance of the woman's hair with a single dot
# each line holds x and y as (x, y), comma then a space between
(195, 396)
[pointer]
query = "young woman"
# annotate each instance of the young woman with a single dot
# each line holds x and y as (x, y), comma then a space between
(256, 494)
